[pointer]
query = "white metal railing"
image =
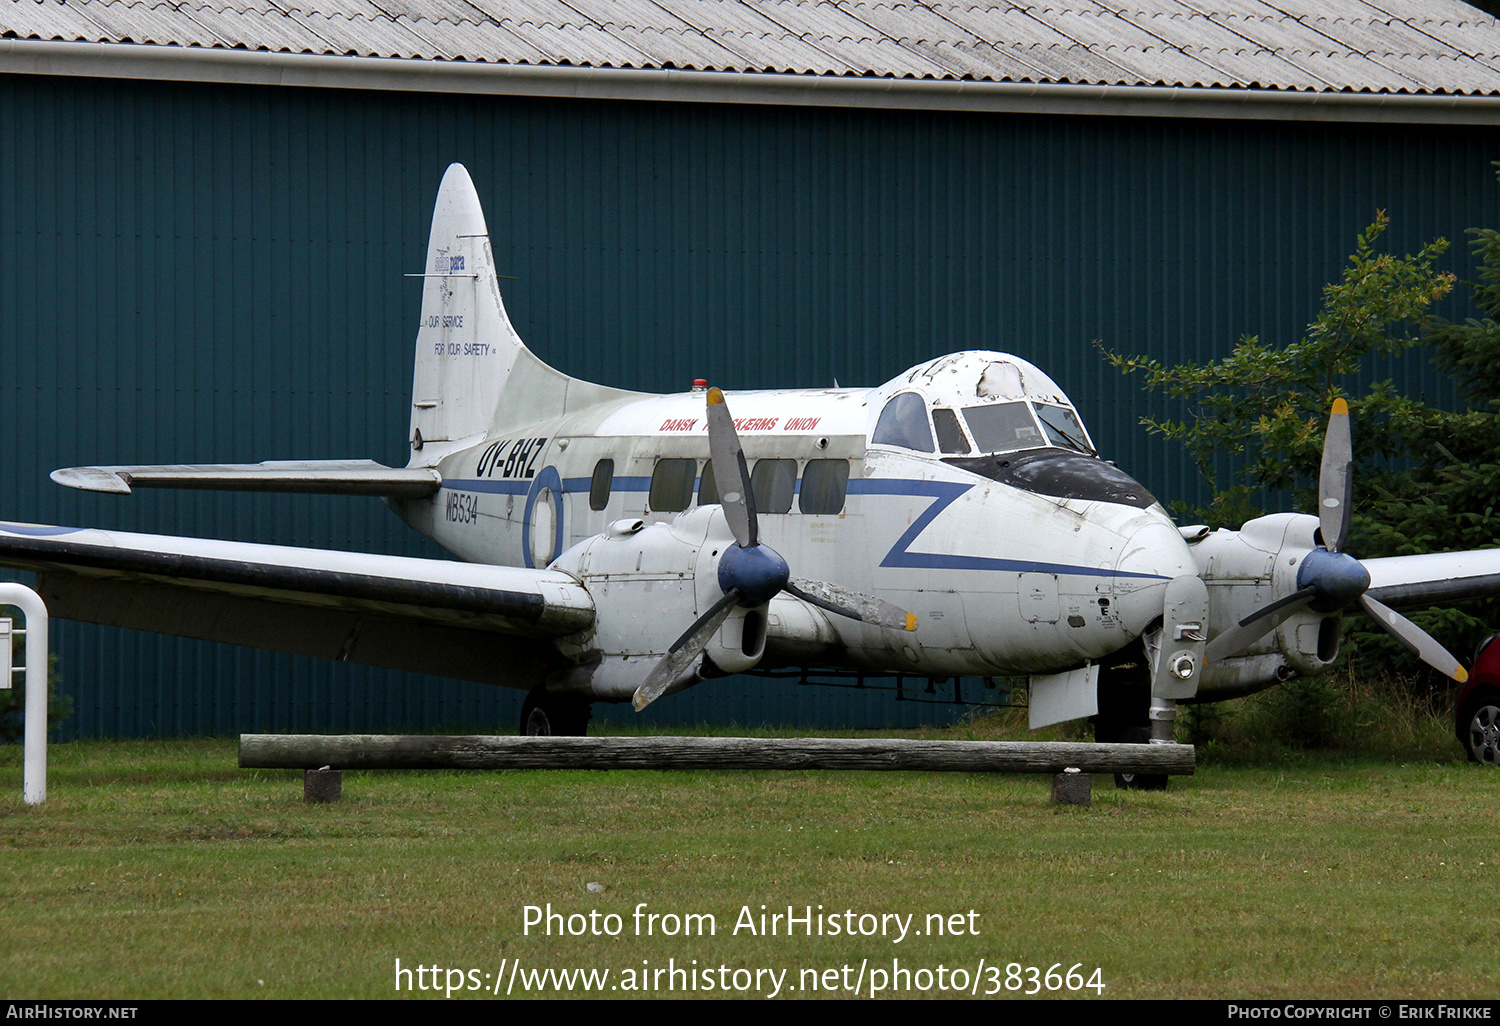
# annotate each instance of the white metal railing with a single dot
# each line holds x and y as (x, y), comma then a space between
(34, 771)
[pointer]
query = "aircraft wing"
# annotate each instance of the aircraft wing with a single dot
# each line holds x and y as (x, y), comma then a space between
(483, 623)
(1406, 582)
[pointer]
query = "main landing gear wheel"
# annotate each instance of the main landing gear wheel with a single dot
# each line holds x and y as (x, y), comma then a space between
(1479, 726)
(545, 714)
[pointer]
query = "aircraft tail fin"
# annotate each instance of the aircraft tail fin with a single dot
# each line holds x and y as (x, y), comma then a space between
(473, 373)
(466, 346)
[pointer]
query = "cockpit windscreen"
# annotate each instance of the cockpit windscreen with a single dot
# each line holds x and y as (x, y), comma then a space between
(1009, 427)
(1003, 427)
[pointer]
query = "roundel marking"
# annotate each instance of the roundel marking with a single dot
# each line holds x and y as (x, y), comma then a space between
(546, 481)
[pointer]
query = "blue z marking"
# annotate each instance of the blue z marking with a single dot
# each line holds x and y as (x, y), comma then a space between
(944, 493)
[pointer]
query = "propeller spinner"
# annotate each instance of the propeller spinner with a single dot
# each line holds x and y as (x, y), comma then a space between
(751, 573)
(1330, 580)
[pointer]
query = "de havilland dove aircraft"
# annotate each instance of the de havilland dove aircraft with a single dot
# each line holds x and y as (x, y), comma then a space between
(617, 546)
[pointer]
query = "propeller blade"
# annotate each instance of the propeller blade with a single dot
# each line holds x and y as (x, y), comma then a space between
(1421, 644)
(1335, 480)
(1335, 579)
(684, 651)
(730, 472)
(1257, 625)
(853, 604)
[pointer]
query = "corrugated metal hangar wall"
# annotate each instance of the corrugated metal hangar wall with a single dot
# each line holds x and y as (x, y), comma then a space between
(197, 273)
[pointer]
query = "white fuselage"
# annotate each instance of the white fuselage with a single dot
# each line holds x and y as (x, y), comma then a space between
(1003, 580)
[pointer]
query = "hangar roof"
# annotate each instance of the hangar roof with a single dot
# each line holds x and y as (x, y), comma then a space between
(1431, 48)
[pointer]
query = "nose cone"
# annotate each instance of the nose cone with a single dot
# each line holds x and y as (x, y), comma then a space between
(1153, 553)
(758, 572)
(1338, 578)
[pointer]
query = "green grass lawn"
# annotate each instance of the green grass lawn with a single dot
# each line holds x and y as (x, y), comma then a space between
(160, 870)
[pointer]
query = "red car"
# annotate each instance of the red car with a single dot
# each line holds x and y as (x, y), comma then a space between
(1477, 702)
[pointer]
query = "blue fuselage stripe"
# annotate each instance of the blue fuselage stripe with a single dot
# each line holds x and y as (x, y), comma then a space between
(943, 494)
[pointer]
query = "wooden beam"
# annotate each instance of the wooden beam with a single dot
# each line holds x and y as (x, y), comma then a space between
(395, 751)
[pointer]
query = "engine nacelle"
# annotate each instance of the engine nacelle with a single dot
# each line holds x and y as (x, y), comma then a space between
(1251, 568)
(650, 583)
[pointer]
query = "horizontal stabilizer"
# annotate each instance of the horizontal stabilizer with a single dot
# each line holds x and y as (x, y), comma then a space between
(314, 477)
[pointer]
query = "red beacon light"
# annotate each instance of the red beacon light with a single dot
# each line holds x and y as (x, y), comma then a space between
(700, 385)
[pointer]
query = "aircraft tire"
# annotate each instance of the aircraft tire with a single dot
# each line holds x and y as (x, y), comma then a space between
(1479, 726)
(1139, 781)
(544, 714)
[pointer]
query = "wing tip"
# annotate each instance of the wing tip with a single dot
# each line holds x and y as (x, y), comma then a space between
(92, 479)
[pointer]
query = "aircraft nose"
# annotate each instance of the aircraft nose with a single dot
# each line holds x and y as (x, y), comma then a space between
(1153, 552)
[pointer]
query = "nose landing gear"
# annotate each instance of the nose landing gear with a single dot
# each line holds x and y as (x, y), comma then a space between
(1127, 715)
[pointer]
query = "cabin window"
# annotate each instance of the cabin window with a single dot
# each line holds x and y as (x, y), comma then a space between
(903, 422)
(1063, 427)
(773, 483)
(672, 485)
(950, 434)
(604, 476)
(708, 488)
(1003, 427)
(824, 484)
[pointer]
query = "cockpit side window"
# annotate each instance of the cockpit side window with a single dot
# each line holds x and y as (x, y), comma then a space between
(903, 422)
(950, 435)
(1003, 427)
(1063, 428)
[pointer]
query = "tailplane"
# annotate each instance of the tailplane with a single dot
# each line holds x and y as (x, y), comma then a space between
(473, 376)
